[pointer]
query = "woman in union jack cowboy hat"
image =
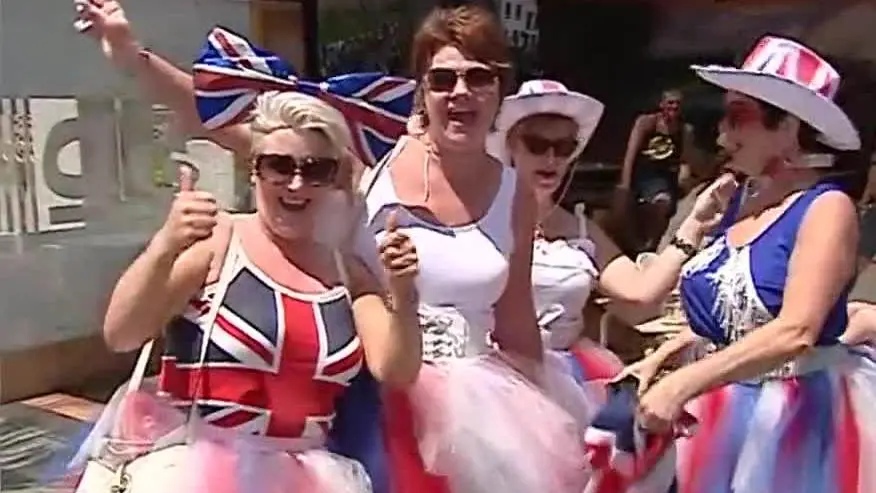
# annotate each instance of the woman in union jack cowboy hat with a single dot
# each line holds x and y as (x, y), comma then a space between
(782, 404)
(475, 420)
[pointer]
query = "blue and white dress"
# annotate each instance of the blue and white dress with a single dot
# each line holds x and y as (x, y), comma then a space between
(805, 427)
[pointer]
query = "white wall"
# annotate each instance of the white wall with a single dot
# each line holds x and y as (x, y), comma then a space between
(77, 212)
(42, 55)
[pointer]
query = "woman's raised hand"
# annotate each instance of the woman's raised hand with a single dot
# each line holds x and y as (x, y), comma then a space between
(710, 206)
(105, 21)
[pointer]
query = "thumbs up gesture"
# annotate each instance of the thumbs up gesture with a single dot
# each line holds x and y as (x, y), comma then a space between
(192, 215)
(399, 257)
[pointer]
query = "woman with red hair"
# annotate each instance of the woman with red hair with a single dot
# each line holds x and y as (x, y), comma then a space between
(477, 418)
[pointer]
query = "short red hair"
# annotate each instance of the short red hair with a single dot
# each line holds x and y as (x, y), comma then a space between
(473, 30)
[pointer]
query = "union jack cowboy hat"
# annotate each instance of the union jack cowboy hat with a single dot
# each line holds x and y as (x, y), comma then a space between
(792, 77)
(542, 97)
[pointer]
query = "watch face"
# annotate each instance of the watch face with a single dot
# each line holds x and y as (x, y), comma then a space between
(687, 248)
(629, 383)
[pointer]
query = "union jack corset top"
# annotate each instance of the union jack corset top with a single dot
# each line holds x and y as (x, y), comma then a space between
(276, 361)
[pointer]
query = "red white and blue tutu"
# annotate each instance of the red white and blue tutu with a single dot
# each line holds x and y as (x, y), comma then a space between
(210, 459)
(811, 433)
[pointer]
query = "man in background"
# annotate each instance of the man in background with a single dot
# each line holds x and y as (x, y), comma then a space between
(657, 161)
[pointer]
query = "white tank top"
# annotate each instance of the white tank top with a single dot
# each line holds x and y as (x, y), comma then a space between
(463, 269)
(563, 274)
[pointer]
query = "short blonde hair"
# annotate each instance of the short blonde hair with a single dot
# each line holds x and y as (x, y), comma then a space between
(276, 110)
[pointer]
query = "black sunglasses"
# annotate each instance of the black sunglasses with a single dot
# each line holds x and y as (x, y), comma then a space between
(280, 169)
(445, 79)
(539, 146)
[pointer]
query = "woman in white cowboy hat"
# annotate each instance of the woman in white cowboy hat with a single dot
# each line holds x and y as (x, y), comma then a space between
(782, 404)
(541, 130)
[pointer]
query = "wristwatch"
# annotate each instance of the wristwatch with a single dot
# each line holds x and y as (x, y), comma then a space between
(686, 247)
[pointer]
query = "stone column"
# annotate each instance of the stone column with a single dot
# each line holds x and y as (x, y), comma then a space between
(100, 156)
(137, 149)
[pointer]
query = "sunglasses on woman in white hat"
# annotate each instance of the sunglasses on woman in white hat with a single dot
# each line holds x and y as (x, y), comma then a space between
(542, 129)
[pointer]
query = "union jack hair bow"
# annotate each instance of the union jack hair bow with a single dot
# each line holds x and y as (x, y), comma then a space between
(622, 455)
(230, 73)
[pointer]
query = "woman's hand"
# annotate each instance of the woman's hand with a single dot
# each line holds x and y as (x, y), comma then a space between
(105, 21)
(644, 370)
(399, 258)
(709, 208)
(192, 216)
(662, 404)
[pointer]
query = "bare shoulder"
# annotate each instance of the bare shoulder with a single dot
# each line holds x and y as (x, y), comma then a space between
(832, 210)
(408, 149)
(216, 247)
(646, 120)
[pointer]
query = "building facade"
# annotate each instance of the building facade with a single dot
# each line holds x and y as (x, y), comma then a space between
(87, 167)
(626, 52)
(520, 19)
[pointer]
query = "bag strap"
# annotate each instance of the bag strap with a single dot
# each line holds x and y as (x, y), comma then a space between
(139, 373)
(226, 274)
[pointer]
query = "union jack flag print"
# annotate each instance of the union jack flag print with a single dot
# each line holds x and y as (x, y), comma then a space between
(622, 454)
(230, 72)
(276, 360)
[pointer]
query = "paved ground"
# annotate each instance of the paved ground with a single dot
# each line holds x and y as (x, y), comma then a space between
(33, 444)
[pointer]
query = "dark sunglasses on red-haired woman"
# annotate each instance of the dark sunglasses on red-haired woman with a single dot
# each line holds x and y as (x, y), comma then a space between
(445, 79)
(280, 169)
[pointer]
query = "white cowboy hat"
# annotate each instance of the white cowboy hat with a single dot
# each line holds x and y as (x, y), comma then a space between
(792, 77)
(539, 97)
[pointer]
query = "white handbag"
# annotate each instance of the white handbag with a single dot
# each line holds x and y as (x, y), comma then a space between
(109, 470)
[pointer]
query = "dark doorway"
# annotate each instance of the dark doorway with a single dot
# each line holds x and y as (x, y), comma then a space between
(600, 48)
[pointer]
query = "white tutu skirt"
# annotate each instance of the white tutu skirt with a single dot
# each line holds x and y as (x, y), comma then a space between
(481, 426)
(813, 433)
(210, 459)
